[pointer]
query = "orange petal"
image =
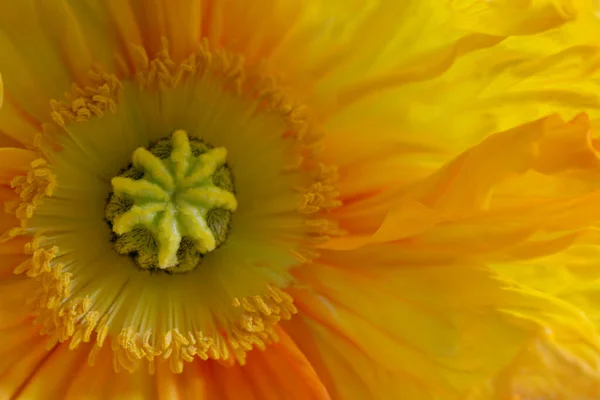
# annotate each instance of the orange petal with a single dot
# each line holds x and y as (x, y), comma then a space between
(14, 162)
(281, 371)
(196, 382)
(16, 125)
(43, 380)
(20, 361)
(24, 42)
(98, 381)
(177, 21)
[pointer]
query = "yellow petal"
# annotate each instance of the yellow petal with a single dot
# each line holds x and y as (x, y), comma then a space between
(512, 17)
(32, 67)
(178, 21)
(348, 372)
(19, 360)
(466, 184)
(408, 324)
(545, 369)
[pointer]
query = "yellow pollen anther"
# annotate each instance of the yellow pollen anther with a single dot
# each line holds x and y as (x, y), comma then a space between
(39, 182)
(171, 200)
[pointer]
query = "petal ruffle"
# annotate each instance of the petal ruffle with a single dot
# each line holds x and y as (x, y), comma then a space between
(533, 216)
(521, 194)
(503, 188)
(512, 17)
(431, 331)
(546, 368)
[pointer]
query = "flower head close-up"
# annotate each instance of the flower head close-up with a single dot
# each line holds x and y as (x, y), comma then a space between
(303, 200)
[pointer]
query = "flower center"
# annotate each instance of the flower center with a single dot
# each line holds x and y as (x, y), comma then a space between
(172, 205)
(169, 208)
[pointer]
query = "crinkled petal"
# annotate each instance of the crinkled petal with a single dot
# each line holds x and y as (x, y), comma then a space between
(370, 317)
(501, 188)
(546, 368)
(524, 201)
(512, 17)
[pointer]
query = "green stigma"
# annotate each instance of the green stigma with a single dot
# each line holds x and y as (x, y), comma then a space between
(173, 205)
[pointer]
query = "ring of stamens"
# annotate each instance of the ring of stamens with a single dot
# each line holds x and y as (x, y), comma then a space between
(250, 322)
(173, 204)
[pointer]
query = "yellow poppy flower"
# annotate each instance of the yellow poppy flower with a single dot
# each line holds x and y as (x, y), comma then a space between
(272, 199)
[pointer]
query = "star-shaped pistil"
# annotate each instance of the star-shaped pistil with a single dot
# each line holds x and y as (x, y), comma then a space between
(173, 197)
